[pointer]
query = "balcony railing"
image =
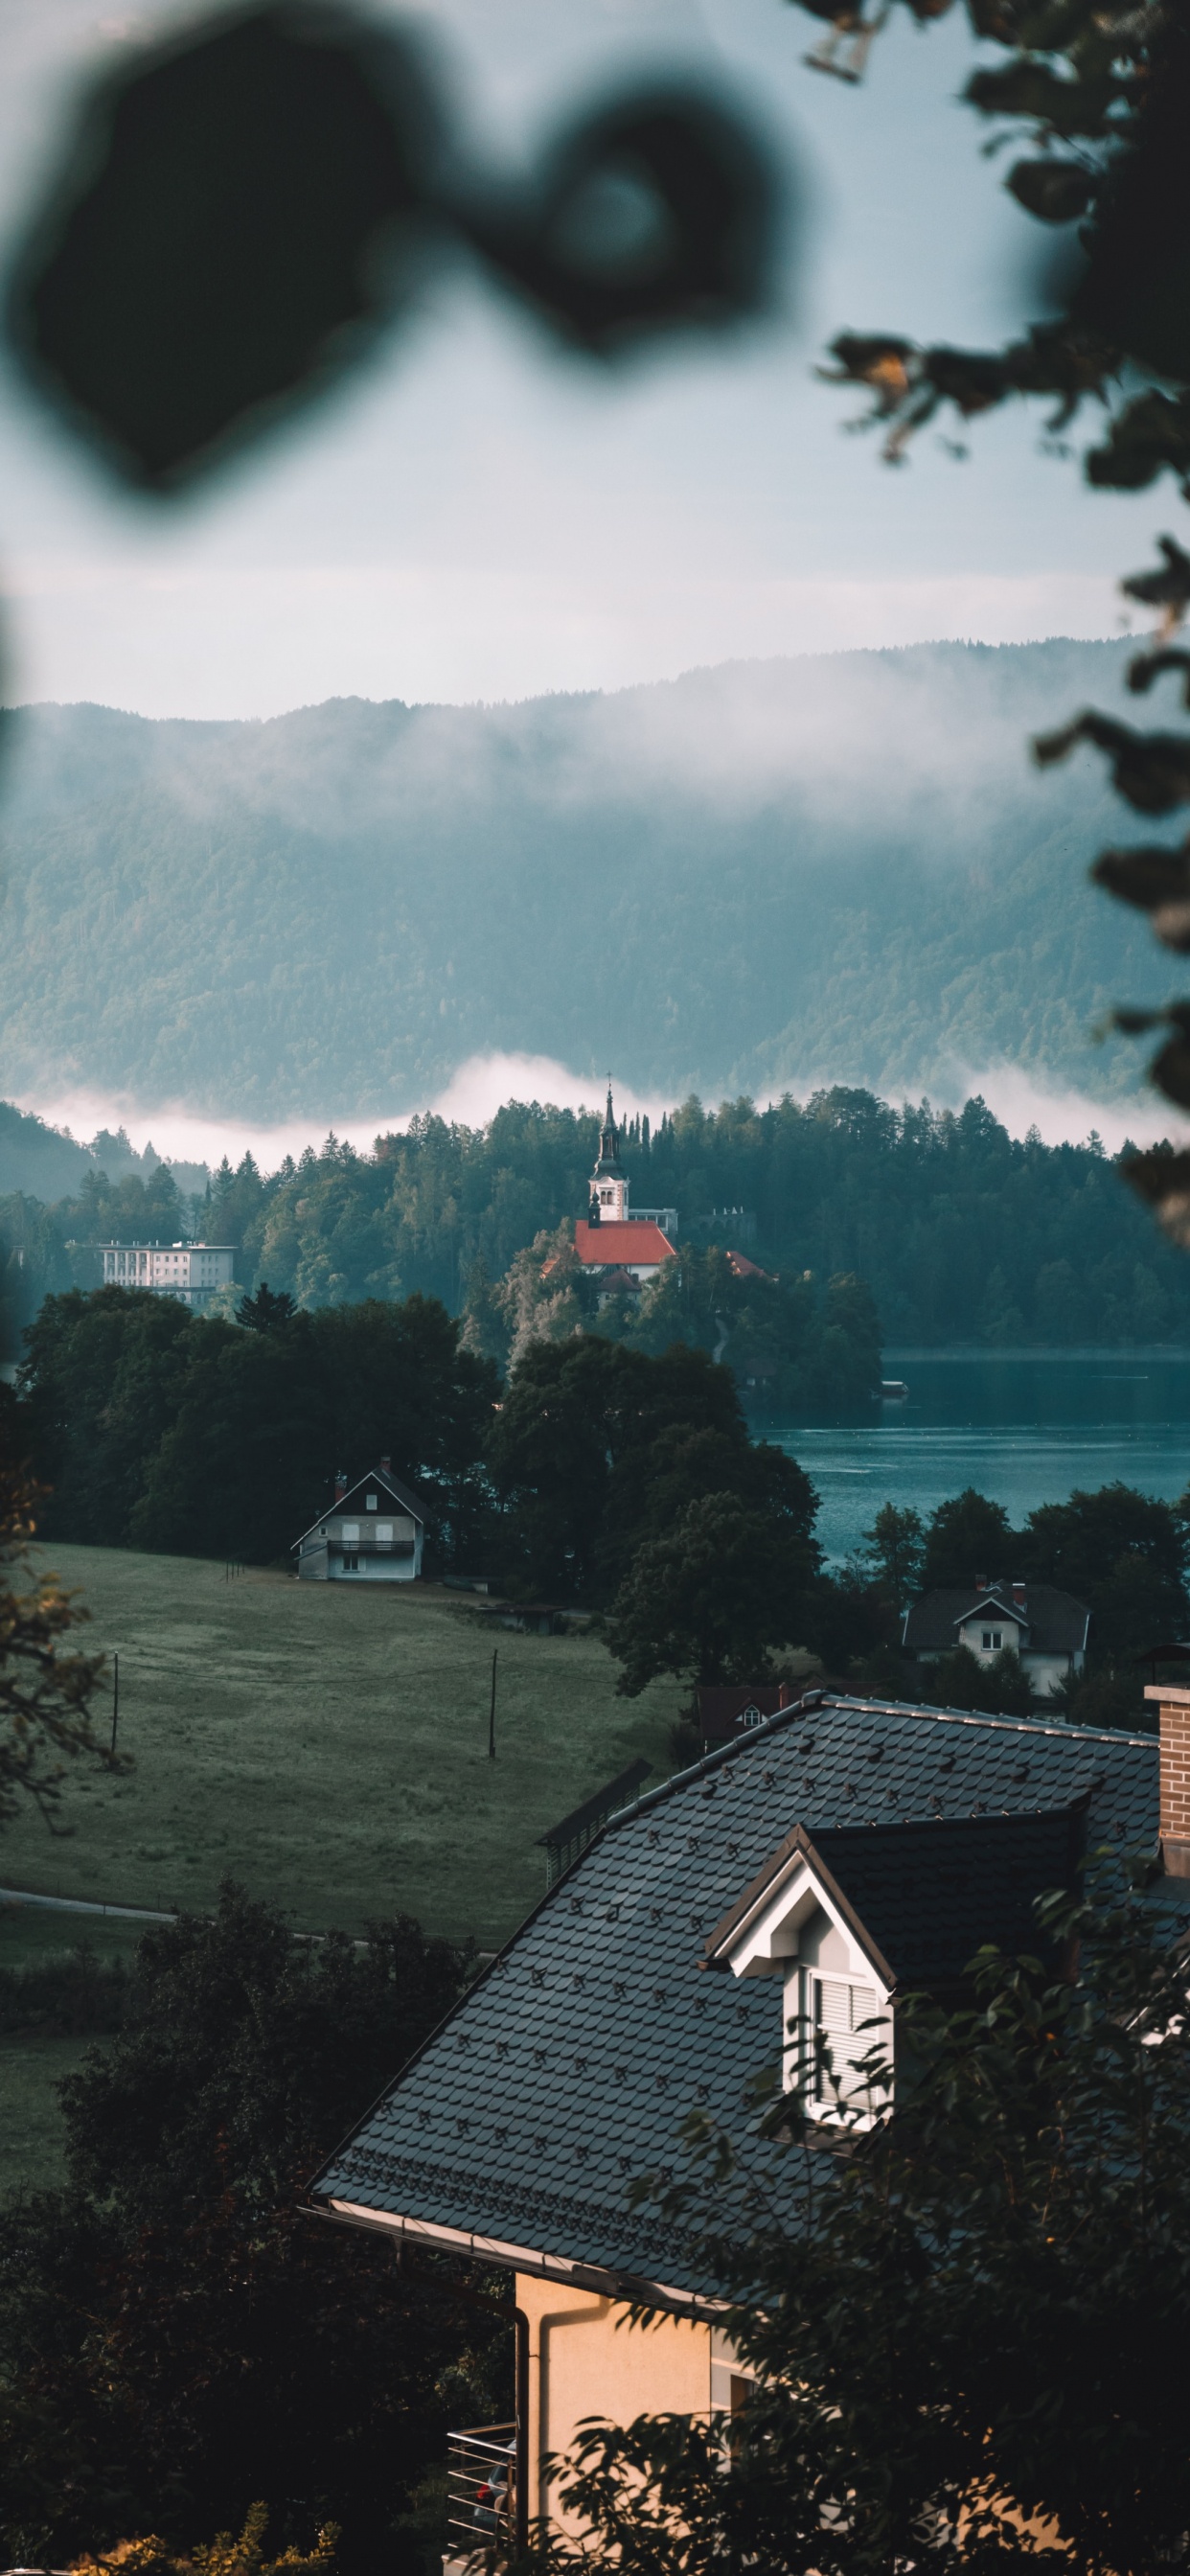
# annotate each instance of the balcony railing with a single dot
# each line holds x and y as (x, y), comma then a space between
(481, 2491)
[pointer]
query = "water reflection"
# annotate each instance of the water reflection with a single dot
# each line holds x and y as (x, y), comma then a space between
(1023, 1431)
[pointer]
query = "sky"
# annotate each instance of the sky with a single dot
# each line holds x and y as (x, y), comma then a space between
(474, 517)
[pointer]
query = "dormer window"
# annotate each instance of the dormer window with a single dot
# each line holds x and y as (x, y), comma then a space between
(751, 1716)
(794, 1923)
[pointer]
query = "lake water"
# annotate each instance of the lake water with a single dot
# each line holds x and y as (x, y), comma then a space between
(1023, 1430)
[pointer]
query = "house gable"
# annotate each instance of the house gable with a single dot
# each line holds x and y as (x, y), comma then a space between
(355, 1504)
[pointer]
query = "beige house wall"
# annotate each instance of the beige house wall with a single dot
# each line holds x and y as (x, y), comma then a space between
(586, 2358)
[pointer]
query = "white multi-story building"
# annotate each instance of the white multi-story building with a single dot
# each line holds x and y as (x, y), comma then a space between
(188, 1271)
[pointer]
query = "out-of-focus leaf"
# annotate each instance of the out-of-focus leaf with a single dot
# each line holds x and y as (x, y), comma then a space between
(1144, 668)
(653, 214)
(1170, 1069)
(1157, 881)
(1151, 769)
(244, 207)
(1162, 1179)
(1055, 191)
(910, 383)
(1137, 287)
(1029, 88)
(1149, 435)
(225, 230)
(1167, 588)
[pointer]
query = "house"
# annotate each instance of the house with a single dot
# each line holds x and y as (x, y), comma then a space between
(725, 1710)
(611, 1240)
(190, 1272)
(373, 1532)
(1045, 1627)
(824, 1863)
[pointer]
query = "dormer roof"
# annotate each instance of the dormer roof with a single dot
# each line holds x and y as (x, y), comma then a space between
(379, 1480)
(918, 1899)
(569, 2065)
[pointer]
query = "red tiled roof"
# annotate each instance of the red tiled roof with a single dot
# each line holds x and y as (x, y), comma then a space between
(607, 1245)
(739, 1264)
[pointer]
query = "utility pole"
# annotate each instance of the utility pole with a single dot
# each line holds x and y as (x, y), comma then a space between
(115, 1698)
(492, 1715)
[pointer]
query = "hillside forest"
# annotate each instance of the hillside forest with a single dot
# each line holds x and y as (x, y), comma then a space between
(955, 1231)
(749, 879)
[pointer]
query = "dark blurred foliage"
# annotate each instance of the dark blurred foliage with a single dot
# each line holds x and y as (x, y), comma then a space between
(245, 207)
(177, 2338)
(1100, 98)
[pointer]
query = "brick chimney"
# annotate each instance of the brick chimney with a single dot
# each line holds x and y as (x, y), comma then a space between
(386, 1466)
(1018, 1596)
(1174, 1709)
(340, 1485)
(981, 1583)
(784, 1695)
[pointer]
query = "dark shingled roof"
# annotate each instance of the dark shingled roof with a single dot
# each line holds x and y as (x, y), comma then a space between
(570, 2063)
(1056, 1622)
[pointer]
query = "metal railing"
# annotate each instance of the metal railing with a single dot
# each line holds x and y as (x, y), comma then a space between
(481, 2490)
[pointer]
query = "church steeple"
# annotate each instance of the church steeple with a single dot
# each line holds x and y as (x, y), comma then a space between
(609, 1187)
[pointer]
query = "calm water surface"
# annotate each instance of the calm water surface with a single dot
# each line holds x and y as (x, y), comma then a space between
(1023, 1431)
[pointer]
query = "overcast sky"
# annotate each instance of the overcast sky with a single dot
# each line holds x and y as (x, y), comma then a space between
(476, 518)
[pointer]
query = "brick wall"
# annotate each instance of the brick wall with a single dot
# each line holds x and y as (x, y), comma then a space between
(1174, 1708)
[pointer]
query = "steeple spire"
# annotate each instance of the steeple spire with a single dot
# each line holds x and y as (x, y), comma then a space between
(609, 1188)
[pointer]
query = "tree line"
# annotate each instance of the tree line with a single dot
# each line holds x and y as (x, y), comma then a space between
(961, 1232)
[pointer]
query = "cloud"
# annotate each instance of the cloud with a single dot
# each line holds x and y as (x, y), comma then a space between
(483, 1083)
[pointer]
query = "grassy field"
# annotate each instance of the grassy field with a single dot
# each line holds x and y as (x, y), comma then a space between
(328, 1747)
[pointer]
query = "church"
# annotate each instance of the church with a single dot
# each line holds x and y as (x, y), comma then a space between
(610, 1239)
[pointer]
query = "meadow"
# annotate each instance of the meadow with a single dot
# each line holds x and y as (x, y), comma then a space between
(328, 1747)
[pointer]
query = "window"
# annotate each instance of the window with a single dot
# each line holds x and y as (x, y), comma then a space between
(371, 1502)
(993, 1639)
(351, 1560)
(839, 2009)
(751, 1717)
(384, 1531)
(350, 1533)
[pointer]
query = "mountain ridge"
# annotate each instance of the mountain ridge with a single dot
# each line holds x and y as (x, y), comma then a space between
(758, 875)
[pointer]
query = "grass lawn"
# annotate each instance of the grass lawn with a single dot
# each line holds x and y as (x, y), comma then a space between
(328, 1747)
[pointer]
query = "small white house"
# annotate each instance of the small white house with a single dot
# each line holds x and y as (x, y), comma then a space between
(1045, 1627)
(373, 1532)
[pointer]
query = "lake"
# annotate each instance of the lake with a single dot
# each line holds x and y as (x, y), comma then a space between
(1023, 1428)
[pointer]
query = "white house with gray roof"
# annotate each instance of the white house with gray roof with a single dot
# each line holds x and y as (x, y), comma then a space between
(373, 1532)
(1046, 1628)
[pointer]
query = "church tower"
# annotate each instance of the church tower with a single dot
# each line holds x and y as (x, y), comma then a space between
(609, 1186)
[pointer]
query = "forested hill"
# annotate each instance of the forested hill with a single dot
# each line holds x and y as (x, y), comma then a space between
(838, 868)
